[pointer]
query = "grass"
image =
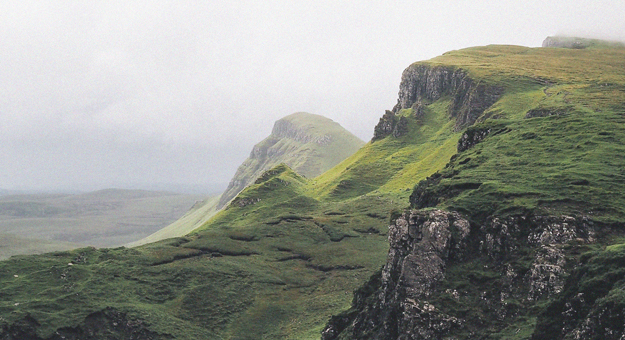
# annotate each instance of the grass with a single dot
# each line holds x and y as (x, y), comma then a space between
(289, 250)
(308, 143)
(571, 164)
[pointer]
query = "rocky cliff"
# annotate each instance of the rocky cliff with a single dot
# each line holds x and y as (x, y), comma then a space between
(422, 84)
(513, 228)
(517, 237)
(446, 278)
(309, 144)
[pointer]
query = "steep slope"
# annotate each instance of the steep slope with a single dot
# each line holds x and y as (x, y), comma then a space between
(490, 242)
(309, 144)
(506, 227)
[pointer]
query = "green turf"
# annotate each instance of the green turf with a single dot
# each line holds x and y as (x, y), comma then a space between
(288, 251)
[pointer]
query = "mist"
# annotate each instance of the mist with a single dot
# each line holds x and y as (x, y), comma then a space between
(174, 94)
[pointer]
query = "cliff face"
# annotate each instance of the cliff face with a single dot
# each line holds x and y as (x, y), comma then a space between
(448, 278)
(309, 144)
(518, 235)
(422, 84)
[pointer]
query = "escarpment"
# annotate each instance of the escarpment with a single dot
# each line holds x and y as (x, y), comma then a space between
(423, 83)
(517, 236)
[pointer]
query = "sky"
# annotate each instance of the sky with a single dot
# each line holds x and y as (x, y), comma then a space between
(174, 94)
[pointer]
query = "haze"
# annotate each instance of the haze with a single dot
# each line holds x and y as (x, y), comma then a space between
(174, 94)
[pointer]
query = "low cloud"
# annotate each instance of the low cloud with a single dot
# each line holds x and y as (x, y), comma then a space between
(97, 94)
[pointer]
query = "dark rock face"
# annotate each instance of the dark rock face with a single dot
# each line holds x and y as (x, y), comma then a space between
(422, 83)
(106, 324)
(405, 301)
(390, 124)
(471, 137)
(421, 244)
(385, 126)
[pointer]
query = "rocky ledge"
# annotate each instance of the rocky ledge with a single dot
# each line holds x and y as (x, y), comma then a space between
(424, 83)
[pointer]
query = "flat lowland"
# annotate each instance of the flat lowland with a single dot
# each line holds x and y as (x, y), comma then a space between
(105, 218)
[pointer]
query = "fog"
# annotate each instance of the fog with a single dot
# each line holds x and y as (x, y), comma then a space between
(174, 94)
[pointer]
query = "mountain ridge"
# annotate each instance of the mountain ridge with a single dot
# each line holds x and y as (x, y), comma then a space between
(498, 232)
(314, 138)
(486, 227)
(308, 142)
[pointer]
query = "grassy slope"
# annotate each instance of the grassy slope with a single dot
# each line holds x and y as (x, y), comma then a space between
(288, 251)
(309, 159)
(312, 145)
(277, 268)
(570, 162)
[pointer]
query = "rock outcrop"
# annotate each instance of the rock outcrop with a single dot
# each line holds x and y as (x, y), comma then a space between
(421, 244)
(423, 83)
(432, 250)
(390, 124)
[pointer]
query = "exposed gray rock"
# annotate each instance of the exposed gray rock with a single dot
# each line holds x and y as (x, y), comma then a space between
(390, 124)
(405, 301)
(420, 244)
(423, 83)
(385, 126)
(471, 137)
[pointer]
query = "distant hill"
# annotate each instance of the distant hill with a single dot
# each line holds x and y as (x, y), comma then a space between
(104, 218)
(579, 43)
(310, 144)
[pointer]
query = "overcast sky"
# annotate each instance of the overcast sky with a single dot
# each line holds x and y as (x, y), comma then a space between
(97, 94)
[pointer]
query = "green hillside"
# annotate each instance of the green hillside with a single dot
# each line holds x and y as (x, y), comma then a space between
(310, 144)
(503, 132)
